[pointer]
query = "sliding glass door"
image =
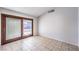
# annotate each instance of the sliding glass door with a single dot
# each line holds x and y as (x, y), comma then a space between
(15, 28)
(27, 27)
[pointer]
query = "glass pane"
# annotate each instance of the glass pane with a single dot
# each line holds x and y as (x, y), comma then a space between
(13, 28)
(27, 27)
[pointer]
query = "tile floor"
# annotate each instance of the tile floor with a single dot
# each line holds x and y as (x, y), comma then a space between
(38, 43)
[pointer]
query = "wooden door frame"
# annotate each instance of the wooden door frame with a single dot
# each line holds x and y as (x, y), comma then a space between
(3, 28)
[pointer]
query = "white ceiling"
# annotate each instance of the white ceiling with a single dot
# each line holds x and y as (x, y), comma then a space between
(34, 11)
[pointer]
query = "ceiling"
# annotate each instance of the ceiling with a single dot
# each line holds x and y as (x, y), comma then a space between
(33, 11)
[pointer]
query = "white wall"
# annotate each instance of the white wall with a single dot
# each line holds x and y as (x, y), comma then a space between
(60, 25)
(0, 26)
(10, 12)
(78, 26)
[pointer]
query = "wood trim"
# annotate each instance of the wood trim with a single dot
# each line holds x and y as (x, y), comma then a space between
(12, 16)
(3, 28)
(12, 40)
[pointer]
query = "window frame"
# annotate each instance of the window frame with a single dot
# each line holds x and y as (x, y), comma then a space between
(3, 28)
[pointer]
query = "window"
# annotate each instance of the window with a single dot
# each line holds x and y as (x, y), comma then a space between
(15, 28)
(27, 27)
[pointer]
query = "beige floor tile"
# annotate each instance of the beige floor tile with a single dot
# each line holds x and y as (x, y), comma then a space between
(38, 43)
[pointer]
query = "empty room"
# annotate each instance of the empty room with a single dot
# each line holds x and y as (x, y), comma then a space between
(39, 29)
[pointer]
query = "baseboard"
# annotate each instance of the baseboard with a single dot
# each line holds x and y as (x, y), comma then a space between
(59, 40)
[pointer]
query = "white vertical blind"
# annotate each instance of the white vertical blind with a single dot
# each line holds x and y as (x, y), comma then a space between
(13, 28)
